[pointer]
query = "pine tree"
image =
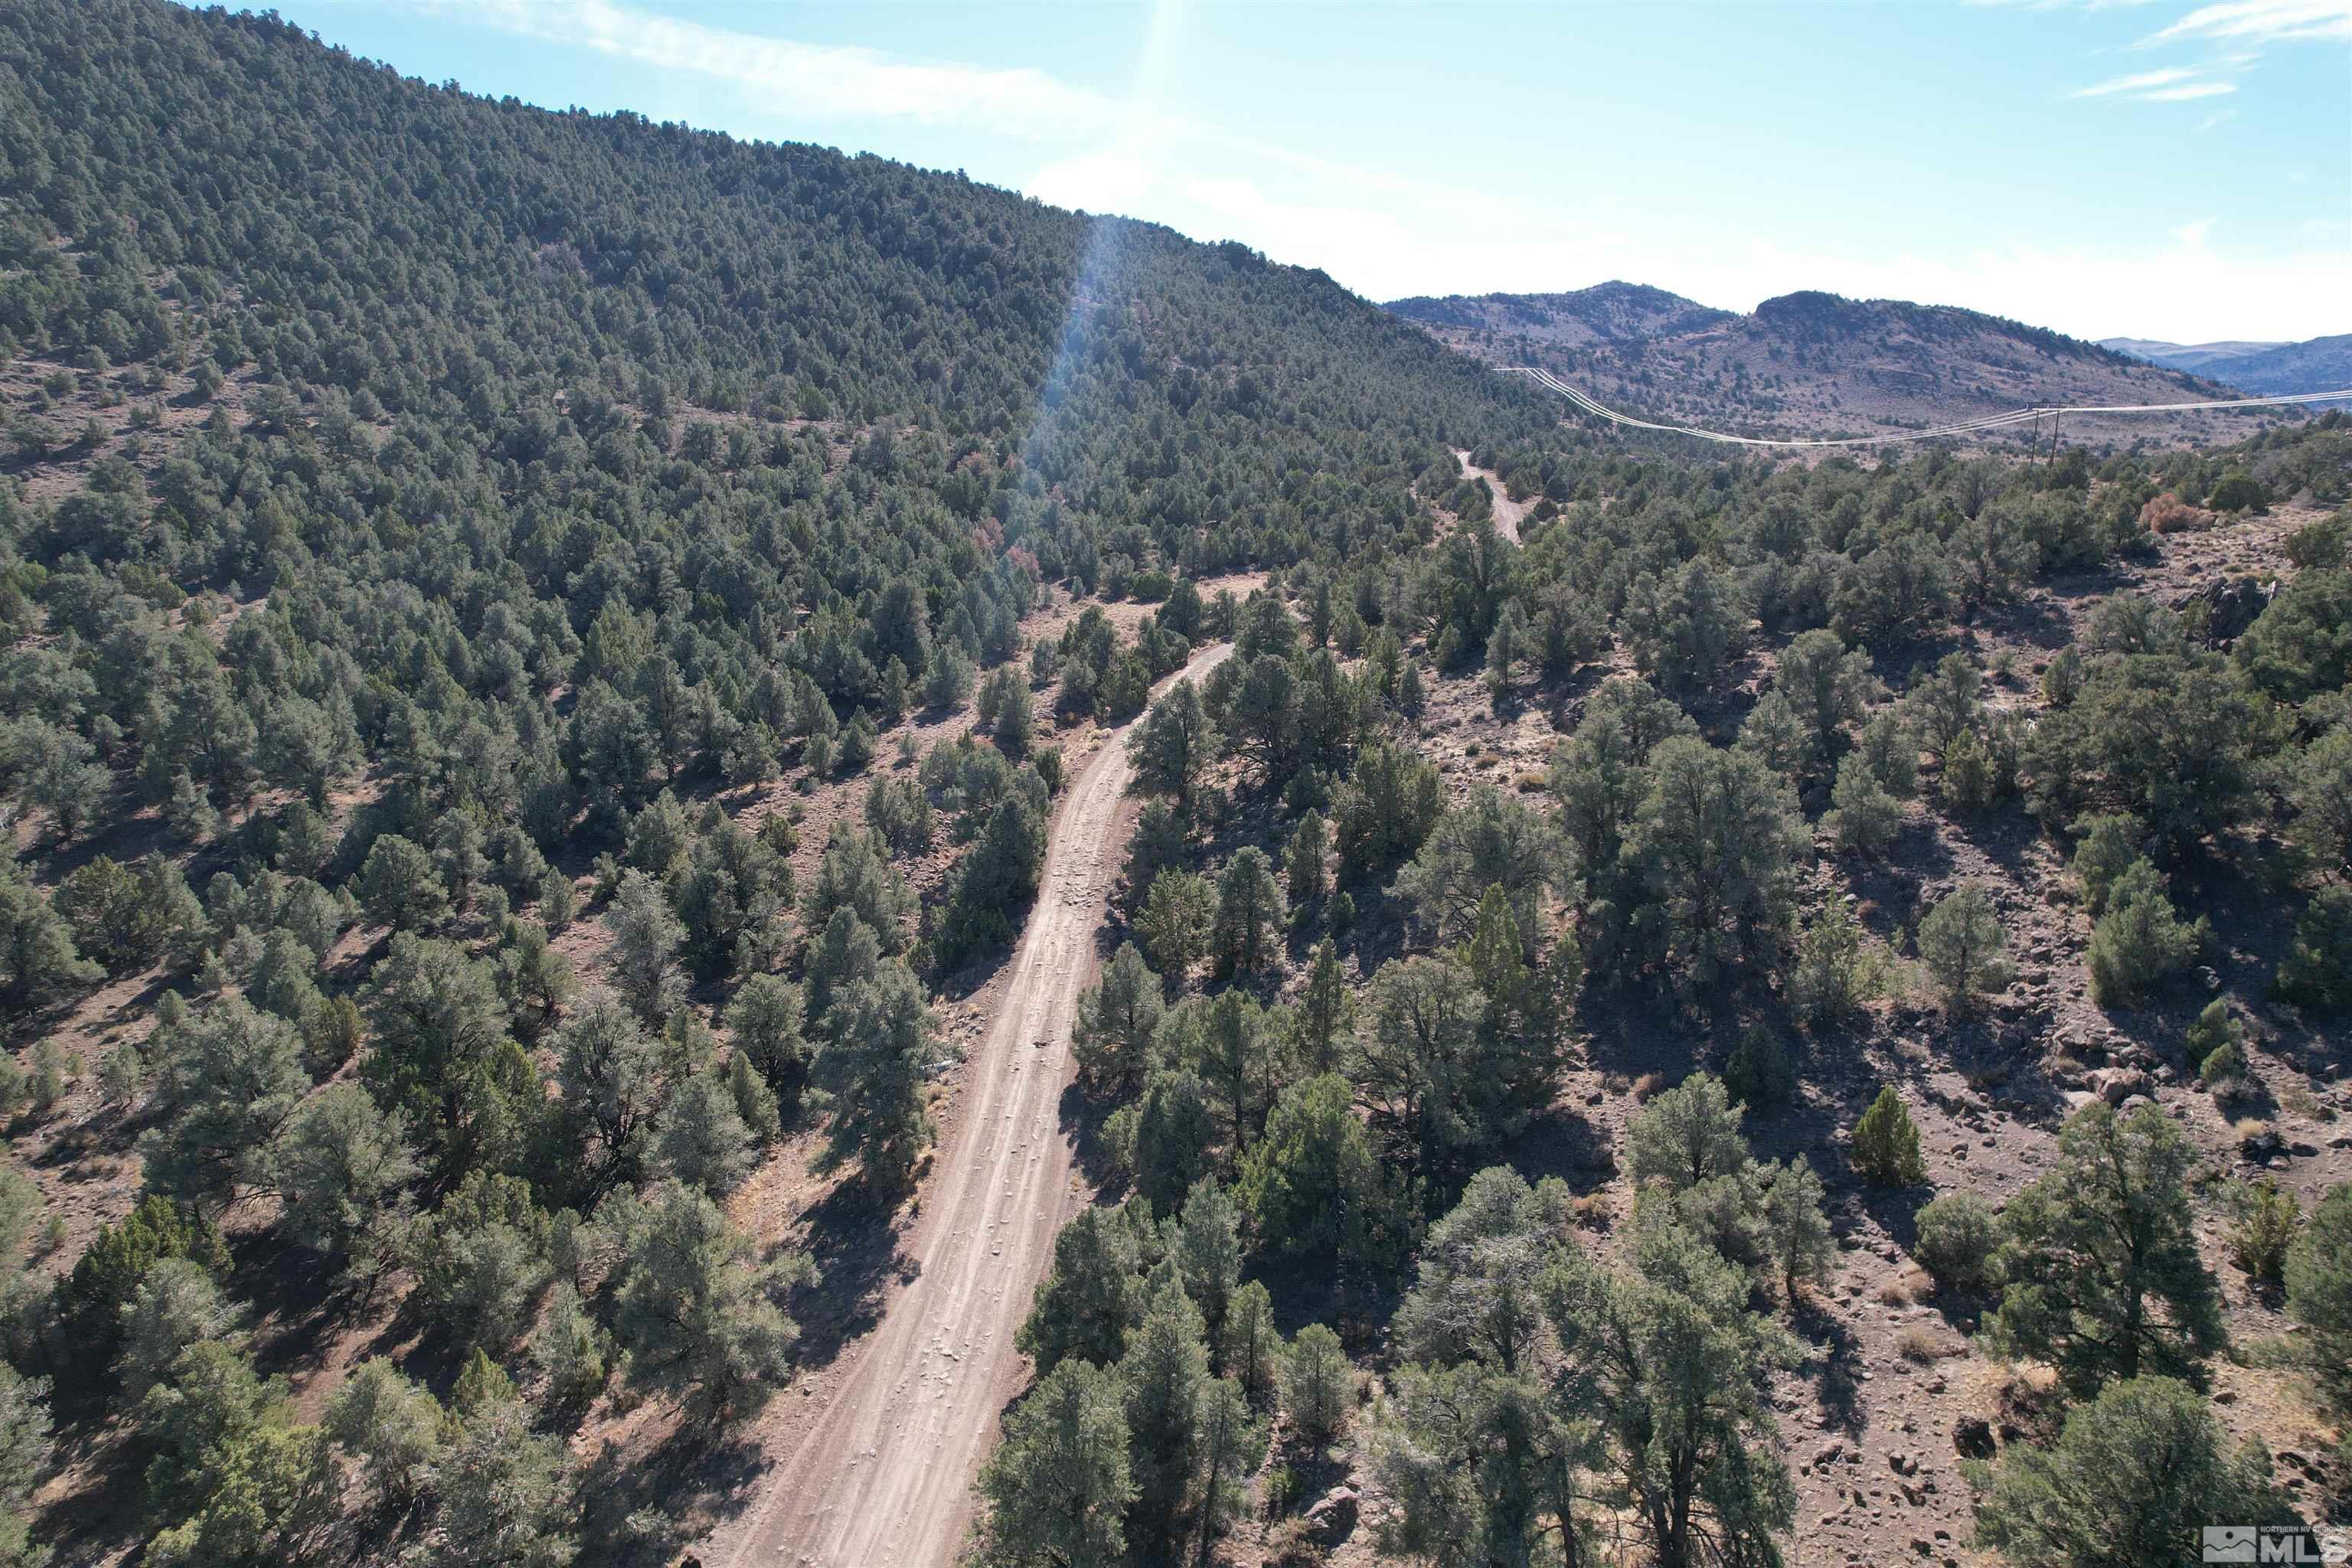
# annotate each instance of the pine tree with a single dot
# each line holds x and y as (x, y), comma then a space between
(2318, 1275)
(1963, 945)
(1317, 1386)
(1796, 1235)
(1303, 862)
(1165, 1374)
(1246, 934)
(1111, 1037)
(1091, 1298)
(2104, 1278)
(1059, 1484)
(1312, 1181)
(1175, 744)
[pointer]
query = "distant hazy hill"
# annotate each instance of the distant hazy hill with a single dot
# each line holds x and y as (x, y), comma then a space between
(2318, 364)
(1604, 313)
(1813, 363)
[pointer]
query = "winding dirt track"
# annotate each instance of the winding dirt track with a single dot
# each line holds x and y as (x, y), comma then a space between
(880, 1475)
(1508, 513)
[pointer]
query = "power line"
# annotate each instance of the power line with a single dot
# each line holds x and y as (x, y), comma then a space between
(1964, 427)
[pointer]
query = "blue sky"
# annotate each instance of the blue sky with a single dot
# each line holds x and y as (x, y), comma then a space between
(2153, 168)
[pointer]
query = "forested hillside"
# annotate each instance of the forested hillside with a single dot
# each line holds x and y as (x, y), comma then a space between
(541, 653)
(1606, 313)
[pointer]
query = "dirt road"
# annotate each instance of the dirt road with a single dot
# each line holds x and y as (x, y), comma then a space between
(879, 1474)
(1508, 513)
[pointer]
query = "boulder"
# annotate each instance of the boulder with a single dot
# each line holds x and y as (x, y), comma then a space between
(1331, 1518)
(1972, 1437)
(2231, 605)
(2116, 1085)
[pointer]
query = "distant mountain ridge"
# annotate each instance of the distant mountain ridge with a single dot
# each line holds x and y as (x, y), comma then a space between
(1816, 364)
(1606, 313)
(2263, 369)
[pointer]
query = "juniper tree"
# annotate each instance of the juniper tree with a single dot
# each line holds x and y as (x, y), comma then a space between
(1685, 1136)
(644, 951)
(1174, 921)
(437, 1020)
(1671, 1365)
(695, 1308)
(231, 1079)
(1715, 841)
(1489, 843)
(1828, 684)
(1885, 1147)
(765, 1021)
(391, 1427)
(2133, 1476)
(339, 1166)
(701, 1140)
(854, 875)
(39, 960)
(176, 1304)
(505, 1495)
(482, 1260)
(612, 1079)
(885, 1047)
(1478, 1294)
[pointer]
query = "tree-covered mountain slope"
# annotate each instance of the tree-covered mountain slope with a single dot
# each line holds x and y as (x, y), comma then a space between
(1606, 313)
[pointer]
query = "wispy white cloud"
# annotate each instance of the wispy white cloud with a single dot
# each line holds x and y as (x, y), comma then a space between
(2140, 82)
(2262, 21)
(2218, 118)
(2189, 93)
(816, 80)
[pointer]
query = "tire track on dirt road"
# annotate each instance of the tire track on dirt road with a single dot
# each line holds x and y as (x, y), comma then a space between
(880, 1475)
